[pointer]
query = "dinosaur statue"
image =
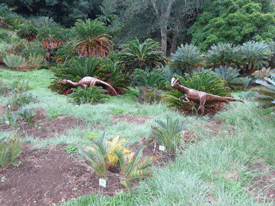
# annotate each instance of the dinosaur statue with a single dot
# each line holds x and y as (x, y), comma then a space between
(199, 97)
(90, 81)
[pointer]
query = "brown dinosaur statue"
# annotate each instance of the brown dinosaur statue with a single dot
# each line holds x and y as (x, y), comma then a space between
(199, 97)
(90, 81)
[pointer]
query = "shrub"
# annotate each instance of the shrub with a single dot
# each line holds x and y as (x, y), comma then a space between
(262, 73)
(20, 86)
(28, 31)
(230, 75)
(97, 156)
(27, 114)
(18, 99)
(168, 133)
(35, 62)
(91, 95)
(13, 61)
(154, 78)
(266, 94)
(207, 81)
(9, 151)
(8, 118)
(136, 168)
(222, 54)
(140, 55)
(255, 54)
(186, 58)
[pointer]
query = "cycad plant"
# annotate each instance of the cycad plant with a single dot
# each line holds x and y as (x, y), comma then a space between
(92, 39)
(9, 151)
(13, 61)
(77, 68)
(97, 155)
(154, 78)
(140, 55)
(168, 133)
(222, 54)
(137, 168)
(266, 93)
(92, 95)
(28, 30)
(186, 58)
(230, 75)
(255, 55)
(207, 81)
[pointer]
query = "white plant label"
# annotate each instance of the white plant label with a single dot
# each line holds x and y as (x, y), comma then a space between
(161, 148)
(102, 182)
(7, 122)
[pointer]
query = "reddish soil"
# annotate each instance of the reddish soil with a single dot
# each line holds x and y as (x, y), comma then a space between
(44, 127)
(49, 175)
(265, 181)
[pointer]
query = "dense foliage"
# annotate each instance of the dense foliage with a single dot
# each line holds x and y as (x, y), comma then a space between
(238, 22)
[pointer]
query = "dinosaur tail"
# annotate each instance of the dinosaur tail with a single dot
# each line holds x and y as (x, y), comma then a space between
(233, 99)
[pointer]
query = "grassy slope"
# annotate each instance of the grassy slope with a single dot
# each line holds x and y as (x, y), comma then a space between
(199, 176)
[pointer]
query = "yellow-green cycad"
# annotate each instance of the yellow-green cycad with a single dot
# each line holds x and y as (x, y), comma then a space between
(135, 169)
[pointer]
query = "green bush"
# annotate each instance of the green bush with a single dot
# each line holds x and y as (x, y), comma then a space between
(154, 78)
(18, 99)
(13, 61)
(135, 168)
(206, 81)
(91, 95)
(186, 58)
(27, 114)
(168, 133)
(231, 76)
(9, 151)
(8, 118)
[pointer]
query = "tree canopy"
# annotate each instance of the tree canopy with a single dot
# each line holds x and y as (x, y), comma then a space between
(235, 22)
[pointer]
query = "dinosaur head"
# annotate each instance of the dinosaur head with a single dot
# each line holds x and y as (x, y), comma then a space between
(174, 81)
(62, 81)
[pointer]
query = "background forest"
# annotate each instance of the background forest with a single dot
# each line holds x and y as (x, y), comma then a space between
(171, 22)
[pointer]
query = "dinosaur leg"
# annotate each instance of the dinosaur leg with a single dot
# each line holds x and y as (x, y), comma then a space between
(202, 104)
(184, 99)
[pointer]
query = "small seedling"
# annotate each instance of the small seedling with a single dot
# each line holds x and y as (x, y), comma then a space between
(117, 111)
(27, 114)
(17, 164)
(74, 189)
(92, 135)
(3, 179)
(70, 149)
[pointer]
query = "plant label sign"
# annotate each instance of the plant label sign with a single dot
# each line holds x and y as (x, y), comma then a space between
(161, 148)
(102, 182)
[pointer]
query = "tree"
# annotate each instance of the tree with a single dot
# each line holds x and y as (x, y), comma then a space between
(235, 22)
(150, 18)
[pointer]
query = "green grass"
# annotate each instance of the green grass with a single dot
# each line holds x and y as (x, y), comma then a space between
(214, 170)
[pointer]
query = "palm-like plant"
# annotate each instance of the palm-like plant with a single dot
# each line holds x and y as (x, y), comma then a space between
(186, 57)
(230, 75)
(97, 156)
(91, 95)
(141, 55)
(77, 68)
(92, 39)
(255, 54)
(168, 133)
(207, 81)
(266, 94)
(155, 78)
(222, 54)
(137, 168)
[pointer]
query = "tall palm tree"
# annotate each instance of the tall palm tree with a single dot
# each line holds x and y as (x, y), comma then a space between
(141, 55)
(92, 39)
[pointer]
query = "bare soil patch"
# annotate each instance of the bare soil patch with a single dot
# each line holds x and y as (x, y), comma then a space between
(44, 127)
(265, 181)
(48, 176)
